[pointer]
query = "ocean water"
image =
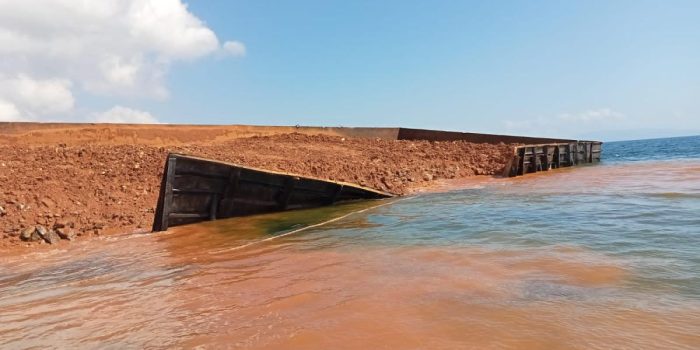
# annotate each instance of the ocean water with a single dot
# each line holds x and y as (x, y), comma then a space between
(594, 257)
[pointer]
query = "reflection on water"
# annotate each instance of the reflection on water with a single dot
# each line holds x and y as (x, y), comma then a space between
(594, 258)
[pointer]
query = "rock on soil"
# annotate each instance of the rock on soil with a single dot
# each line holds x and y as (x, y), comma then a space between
(51, 237)
(114, 188)
(39, 233)
(29, 234)
(65, 233)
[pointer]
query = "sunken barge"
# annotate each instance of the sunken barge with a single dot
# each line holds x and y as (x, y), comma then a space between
(195, 189)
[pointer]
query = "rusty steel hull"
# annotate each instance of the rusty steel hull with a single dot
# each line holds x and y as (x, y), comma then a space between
(543, 157)
(438, 135)
(196, 189)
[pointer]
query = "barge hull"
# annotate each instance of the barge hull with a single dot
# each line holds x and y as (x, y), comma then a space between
(543, 157)
(196, 189)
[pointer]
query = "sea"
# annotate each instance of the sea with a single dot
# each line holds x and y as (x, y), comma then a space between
(605, 256)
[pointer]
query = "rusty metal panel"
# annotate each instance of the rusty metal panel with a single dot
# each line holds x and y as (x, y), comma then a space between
(437, 135)
(197, 189)
(544, 157)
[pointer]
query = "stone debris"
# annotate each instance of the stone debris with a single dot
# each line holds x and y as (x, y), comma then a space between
(51, 237)
(65, 233)
(29, 234)
(47, 202)
(41, 233)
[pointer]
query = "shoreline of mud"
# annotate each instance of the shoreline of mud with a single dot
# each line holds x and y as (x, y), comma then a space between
(97, 187)
(433, 187)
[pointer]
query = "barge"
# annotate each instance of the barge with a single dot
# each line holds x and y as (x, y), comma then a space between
(195, 189)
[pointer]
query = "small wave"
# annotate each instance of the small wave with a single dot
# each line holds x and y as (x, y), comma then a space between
(673, 195)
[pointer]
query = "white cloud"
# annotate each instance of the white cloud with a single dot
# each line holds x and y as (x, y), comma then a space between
(234, 48)
(9, 113)
(30, 98)
(603, 114)
(120, 114)
(567, 125)
(114, 48)
(167, 27)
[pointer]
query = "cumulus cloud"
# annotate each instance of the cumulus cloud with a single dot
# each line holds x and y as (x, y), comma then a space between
(234, 48)
(9, 112)
(566, 124)
(114, 48)
(120, 114)
(27, 98)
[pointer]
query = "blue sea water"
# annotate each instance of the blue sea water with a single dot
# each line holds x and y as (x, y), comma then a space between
(655, 149)
(641, 205)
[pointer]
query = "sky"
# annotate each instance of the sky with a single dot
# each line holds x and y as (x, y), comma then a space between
(605, 70)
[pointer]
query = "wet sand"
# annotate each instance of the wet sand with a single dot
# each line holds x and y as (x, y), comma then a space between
(103, 179)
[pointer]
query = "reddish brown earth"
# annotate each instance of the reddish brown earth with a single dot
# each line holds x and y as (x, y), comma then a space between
(96, 186)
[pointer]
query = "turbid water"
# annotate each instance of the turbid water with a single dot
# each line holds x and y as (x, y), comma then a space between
(597, 257)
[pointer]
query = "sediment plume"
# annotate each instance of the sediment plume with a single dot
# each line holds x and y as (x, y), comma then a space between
(94, 188)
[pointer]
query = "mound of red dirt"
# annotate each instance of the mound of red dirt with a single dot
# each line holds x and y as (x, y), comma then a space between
(92, 189)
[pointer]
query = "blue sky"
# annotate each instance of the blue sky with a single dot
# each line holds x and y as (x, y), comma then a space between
(587, 69)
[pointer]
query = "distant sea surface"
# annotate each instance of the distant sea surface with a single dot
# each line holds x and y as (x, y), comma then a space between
(593, 257)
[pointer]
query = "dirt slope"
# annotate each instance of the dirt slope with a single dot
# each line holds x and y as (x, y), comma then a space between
(95, 188)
